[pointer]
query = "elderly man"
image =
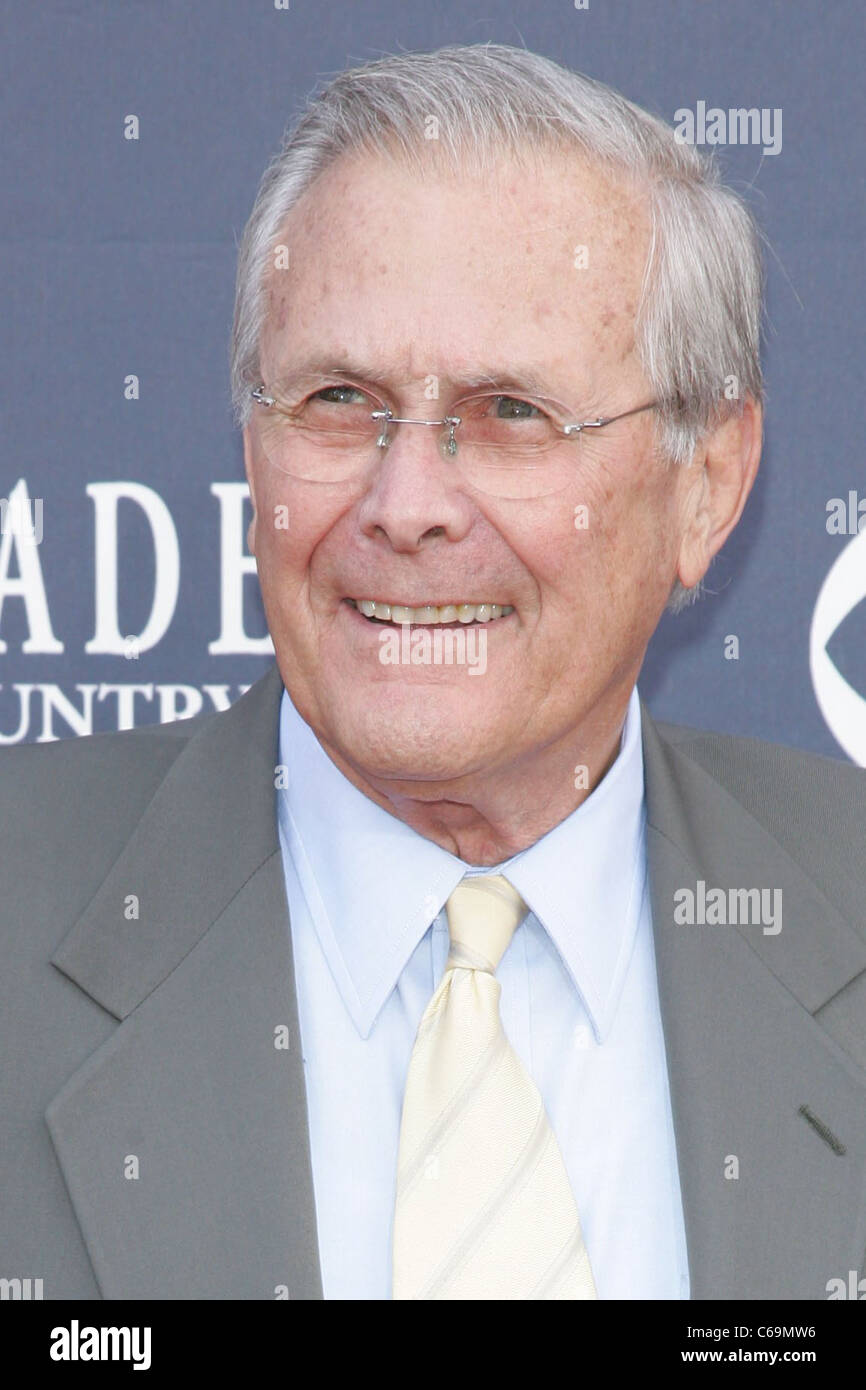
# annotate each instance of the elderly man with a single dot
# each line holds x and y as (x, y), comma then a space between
(434, 968)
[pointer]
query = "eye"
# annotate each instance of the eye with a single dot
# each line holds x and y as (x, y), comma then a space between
(513, 408)
(341, 394)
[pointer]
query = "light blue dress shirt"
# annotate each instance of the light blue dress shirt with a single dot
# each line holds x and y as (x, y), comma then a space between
(579, 1005)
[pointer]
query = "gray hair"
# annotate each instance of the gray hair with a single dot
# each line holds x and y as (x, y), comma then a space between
(699, 318)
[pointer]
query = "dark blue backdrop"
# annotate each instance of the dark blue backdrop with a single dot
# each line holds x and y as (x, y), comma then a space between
(119, 258)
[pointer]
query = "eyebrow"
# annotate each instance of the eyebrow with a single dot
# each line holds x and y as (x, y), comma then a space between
(515, 379)
(525, 379)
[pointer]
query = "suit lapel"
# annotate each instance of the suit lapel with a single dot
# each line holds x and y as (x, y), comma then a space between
(183, 1139)
(746, 1055)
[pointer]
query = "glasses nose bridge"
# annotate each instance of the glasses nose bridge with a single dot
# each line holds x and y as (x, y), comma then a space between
(386, 418)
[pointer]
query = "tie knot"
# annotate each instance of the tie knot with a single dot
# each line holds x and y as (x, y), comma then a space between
(483, 914)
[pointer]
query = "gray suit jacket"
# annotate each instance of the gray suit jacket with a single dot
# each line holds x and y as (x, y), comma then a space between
(142, 1038)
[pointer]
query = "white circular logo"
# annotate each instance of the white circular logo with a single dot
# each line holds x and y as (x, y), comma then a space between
(843, 707)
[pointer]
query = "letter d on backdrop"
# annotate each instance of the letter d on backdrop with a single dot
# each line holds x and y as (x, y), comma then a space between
(108, 638)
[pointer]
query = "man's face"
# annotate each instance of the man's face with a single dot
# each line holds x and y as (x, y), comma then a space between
(448, 278)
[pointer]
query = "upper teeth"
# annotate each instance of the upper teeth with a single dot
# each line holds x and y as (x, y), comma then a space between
(429, 613)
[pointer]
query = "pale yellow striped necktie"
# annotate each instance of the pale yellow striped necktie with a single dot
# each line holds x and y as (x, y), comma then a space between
(484, 1209)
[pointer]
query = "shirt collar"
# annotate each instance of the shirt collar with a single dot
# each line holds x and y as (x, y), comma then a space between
(373, 885)
(585, 879)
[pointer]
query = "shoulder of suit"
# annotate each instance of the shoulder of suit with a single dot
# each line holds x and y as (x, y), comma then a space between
(105, 778)
(726, 755)
(44, 759)
(814, 805)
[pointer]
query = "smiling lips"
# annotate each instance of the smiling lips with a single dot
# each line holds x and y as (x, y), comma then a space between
(431, 613)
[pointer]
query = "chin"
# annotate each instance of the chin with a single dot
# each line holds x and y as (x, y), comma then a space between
(417, 734)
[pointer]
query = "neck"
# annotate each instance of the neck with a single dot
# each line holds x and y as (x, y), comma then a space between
(486, 820)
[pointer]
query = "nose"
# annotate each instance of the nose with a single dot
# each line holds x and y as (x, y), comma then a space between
(415, 492)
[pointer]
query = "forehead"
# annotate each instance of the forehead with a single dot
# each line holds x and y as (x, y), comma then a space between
(429, 272)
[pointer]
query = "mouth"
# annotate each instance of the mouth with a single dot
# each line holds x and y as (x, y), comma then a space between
(430, 614)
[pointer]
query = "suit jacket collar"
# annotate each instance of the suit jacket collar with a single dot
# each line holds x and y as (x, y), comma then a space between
(210, 826)
(200, 1090)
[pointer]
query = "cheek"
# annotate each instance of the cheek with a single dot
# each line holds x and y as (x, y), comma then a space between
(608, 540)
(289, 524)
(284, 547)
(635, 543)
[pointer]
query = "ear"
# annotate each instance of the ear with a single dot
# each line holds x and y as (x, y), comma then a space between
(716, 485)
(250, 472)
